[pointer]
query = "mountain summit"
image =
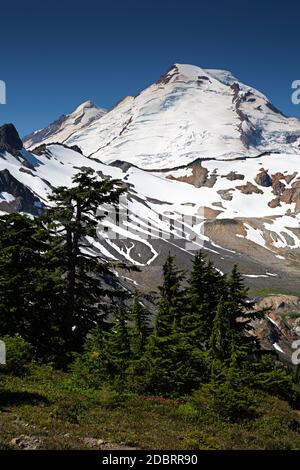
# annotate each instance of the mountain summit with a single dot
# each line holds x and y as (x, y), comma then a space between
(188, 113)
(9, 139)
(66, 125)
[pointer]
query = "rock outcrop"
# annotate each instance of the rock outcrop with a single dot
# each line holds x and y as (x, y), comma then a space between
(263, 179)
(10, 140)
(21, 199)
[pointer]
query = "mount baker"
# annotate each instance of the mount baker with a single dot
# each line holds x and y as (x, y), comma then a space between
(206, 160)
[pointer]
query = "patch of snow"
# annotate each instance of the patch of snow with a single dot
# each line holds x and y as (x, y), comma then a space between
(278, 348)
(7, 197)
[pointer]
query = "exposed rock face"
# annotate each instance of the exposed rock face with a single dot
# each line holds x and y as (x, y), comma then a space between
(289, 178)
(278, 187)
(9, 139)
(287, 196)
(276, 330)
(226, 194)
(22, 199)
(296, 184)
(232, 176)
(263, 179)
(249, 135)
(124, 166)
(76, 149)
(282, 302)
(41, 149)
(274, 203)
(249, 188)
(44, 133)
(200, 176)
(210, 213)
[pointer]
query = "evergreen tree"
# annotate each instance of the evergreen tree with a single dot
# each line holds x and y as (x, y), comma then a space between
(230, 394)
(106, 355)
(118, 347)
(241, 312)
(141, 328)
(51, 288)
(90, 368)
(220, 340)
(72, 223)
(29, 287)
(171, 365)
(232, 326)
(20, 250)
(172, 301)
(204, 290)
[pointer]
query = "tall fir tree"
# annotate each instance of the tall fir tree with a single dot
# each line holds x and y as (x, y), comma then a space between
(20, 251)
(140, 329)
(220, 339)
(205, 287)
(72, 222)
(172, 301)
(29, 287)
(233, 328)
(241, 311)
(52, 289)
(118, 347)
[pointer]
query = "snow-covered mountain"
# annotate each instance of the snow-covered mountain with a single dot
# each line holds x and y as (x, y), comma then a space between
(207, 162)
(188, 113)
(65, 126)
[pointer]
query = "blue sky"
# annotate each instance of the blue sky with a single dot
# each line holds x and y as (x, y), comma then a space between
(55, 55)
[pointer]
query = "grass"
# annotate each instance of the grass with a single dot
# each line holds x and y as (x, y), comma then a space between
(38, 411)
(264, 292)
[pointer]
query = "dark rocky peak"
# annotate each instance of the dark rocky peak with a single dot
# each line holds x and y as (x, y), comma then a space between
(168, 75)
(10, 140)
(23, 200)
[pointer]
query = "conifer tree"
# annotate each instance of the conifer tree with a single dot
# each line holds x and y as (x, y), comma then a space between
(29, 287)
(232, 326)
(171, 365)
(51, 288)
(220, 339)
(241, 312)
(19, 250)
(172, 301)
(141, 328)
(118, 348)
(72, 223)
(204, 290)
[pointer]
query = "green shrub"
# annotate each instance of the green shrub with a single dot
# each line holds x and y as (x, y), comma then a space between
(69, 410)
(86, 372)
(188, 411)
(18, 355)
(170, 367)
(275, 380)
(200, 440)
(228, 403)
